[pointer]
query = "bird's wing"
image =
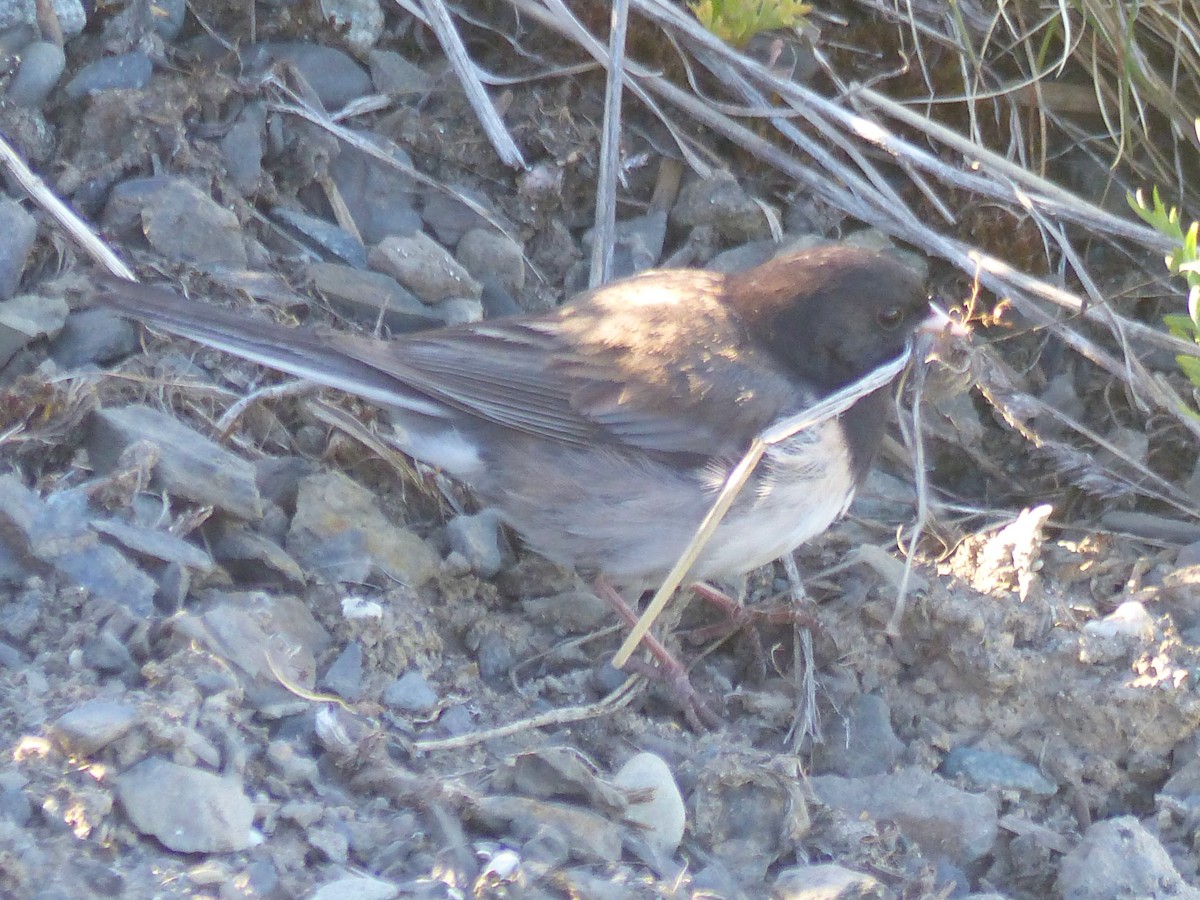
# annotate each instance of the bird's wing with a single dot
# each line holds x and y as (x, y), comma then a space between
(660, 370)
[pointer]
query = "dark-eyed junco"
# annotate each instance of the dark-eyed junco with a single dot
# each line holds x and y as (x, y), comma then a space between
(602, 431)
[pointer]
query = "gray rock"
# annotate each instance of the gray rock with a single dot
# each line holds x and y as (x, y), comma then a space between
(334, 75)
(424, 267)
(743, 256)
(326, 235)
(56, 533)
(15, 805)
(497, 301)
(1119, 858)
(26, 318)
(984, 769)
(155, 544)
(450, 218)
(242, 148)
(379, 196)
(720, 201)
(93, 336)
(394, 75)
(107, 654)
(638, 243)
(19, 229)
(93, 725)
(263, 637)
(10, 657)
(186, 225)
(168, 17)
(246, 552)
(339, 532)
(123, 210)
(478, 539)
(942, 819)
(129, 71)
(486, 254)
(189, 465)
(826, 882)
(661, 816)
(410, 693)
(70, 14)
(591, 837)
(356, 887)
(206, 813)
(371, 298)
(42, 64)
(861, 741)
(344, 677)
(361, 22)
(459, 311)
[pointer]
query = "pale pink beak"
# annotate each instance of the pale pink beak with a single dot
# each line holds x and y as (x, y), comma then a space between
(939, 322)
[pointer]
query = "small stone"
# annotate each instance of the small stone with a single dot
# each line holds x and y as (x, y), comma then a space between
(242, 148)
(1119, 858)
(424, 267)
(591, 837)
(410, 693)
(344, 677)
(395, 76)
(70, 14)
(339, 532)
(129, 71)
(26, 318)
(206, 813)
(325, 235)
(984, 769)
(189, 464)
(371, 298)
(862, 741)
(19, 229)
(380, 196)
(826, 882)
(160, 545)
(939, 817)
(356, 887)
(93, 336)
(168, 17)
(42, 65)
(333, 74)
(93, 726)
(743, 256)
(637, 243)
(449, 218)
(478, 538)
(459, 311)
(107, 654)
(186, 225)
(360, 22)
(661, 816)
(266, 639)
(485, 253)
(720, 201)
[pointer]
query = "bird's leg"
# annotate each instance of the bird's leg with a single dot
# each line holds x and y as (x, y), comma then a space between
(669, 670)
(739, 616)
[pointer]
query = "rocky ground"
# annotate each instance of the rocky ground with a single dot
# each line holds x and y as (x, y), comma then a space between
(248, 651)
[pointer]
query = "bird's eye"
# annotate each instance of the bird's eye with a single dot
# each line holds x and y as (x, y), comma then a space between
(891, 317)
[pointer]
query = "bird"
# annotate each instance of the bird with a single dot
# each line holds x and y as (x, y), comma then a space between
(602, 430)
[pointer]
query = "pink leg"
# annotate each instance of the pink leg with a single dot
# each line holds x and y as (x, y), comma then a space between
(669, 670)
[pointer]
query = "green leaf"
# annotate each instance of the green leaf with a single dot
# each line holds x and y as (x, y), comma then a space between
(1190, 366)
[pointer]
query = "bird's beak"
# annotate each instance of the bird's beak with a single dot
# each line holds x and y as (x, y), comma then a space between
(939, 322)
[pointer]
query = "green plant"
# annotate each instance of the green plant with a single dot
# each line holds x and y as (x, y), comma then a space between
(736, 21)
(1182, 260)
